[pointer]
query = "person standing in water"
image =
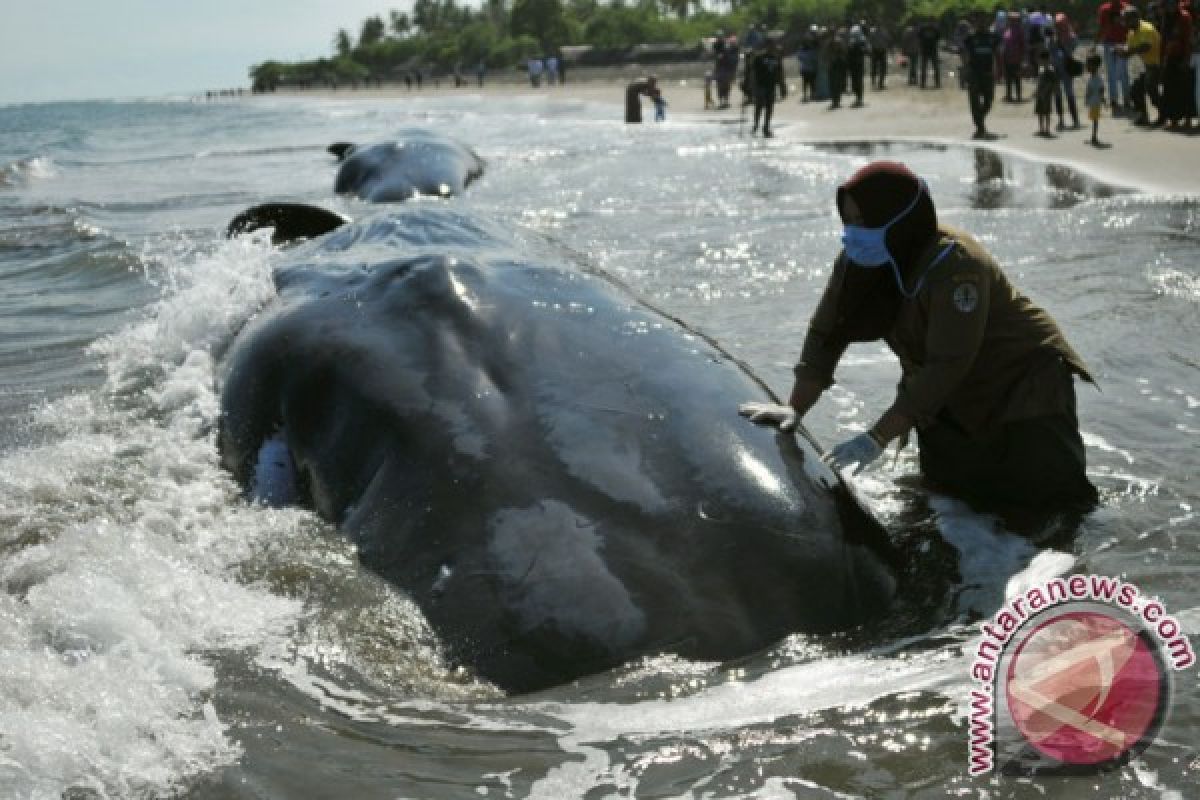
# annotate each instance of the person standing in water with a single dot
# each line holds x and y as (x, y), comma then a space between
(987, 376)
(647, 86)
(766, 76)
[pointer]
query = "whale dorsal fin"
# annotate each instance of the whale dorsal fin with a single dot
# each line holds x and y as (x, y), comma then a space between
(291, 221)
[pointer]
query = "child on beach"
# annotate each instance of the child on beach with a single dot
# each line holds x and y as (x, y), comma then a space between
(1093, 96)
(660, 106)
(1047, 85)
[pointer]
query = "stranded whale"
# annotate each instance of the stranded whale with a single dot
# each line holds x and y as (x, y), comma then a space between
(555, 472)
(416, 162)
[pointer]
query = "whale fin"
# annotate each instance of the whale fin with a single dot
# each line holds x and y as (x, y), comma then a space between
(291, 221)
(340, 149)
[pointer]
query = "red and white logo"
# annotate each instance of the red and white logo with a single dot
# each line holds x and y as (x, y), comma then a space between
(1072, 676)
(1085, 688)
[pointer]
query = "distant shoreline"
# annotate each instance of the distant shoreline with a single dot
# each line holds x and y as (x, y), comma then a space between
(1155, 161)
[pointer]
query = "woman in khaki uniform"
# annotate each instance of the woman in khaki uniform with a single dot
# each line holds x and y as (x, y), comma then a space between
(988, 378)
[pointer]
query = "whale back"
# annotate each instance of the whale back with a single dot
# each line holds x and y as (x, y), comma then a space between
(416, 162)
(554, 471)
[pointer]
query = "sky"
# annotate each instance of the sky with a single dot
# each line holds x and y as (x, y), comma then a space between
(84, 49)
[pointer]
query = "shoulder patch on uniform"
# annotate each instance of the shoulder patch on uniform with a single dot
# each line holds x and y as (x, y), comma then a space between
(966, 297)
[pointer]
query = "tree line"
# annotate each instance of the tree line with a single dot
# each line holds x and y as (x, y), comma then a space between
(443, 36)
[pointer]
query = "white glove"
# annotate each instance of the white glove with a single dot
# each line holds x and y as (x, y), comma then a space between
(782, 417)
(857, 452)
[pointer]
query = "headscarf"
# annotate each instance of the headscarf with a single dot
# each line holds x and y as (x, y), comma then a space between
(881, 190)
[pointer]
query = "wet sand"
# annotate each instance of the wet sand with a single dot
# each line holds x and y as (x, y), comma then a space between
(1158, 161)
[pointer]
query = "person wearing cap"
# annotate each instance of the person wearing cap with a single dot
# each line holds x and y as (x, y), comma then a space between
(987, 376)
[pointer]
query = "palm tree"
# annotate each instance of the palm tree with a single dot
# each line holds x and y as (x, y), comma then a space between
(341, 43)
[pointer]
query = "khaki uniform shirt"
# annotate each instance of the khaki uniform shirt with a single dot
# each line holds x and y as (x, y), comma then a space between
(970, 345)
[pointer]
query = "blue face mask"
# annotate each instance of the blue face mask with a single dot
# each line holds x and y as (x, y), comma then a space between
(867, 247)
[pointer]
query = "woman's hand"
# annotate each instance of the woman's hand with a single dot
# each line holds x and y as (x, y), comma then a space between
(782, 417)
(855, 453)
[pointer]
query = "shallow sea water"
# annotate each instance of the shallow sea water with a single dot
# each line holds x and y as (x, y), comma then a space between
(160, 636)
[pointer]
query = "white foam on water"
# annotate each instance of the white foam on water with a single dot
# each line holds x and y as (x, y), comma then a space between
(27, 170)
(121, 542)
(827, 683)
(991, 560)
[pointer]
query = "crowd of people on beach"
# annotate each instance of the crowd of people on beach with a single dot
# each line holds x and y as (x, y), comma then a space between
(1142, 64)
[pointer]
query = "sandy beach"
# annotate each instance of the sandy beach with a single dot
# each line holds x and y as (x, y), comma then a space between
(1159, 161)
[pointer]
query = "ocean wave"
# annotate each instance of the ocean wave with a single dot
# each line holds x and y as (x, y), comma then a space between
(23, 171)
(167, 202)
(263, 151)
(168, 158)
(122, 544)
(29, 229)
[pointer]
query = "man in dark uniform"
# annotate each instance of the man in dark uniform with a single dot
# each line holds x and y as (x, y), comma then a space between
(765, 76)
(980, 47)
(988, 377)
